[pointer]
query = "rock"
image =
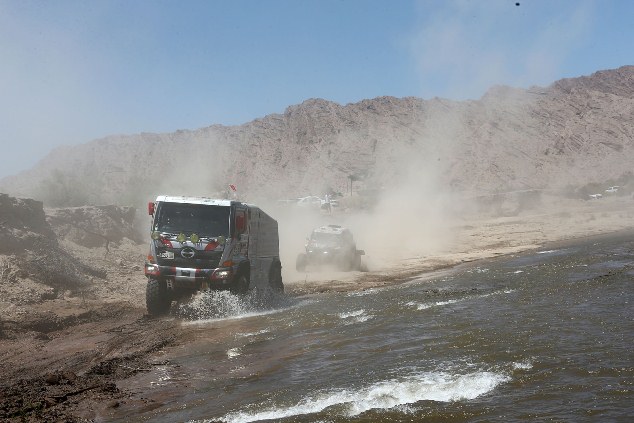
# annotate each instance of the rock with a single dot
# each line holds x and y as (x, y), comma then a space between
(52, 378)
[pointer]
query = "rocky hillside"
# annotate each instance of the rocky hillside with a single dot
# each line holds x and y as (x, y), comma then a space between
(574, 132)
(47, 254)
(94, 226)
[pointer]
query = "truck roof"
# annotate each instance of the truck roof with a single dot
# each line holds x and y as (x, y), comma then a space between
(193, 200)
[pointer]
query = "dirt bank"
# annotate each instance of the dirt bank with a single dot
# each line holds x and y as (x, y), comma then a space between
(63, 356)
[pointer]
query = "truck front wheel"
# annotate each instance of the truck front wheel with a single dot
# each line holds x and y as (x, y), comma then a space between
(157, 298)
(356, 265)
(240, 284)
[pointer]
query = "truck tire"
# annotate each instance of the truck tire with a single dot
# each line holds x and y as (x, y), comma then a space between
(301, 262)
(157, 298)
(240, 283)
(357, 262)
(346, 263)
(275, 277)
(363, 266)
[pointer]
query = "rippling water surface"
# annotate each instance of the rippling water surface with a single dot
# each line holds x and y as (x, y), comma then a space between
(546, 336)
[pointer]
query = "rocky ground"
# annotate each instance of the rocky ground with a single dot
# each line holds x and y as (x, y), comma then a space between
(73, 322)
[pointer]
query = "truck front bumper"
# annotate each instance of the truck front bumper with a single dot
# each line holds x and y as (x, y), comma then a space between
(191, 278)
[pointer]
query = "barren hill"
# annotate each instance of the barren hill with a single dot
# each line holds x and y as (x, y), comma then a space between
(576, 131)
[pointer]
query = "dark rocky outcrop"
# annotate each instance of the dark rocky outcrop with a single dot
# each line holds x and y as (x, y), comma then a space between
(33, 266)
(94, 226)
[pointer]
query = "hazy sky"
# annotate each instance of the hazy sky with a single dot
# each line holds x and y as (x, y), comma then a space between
(73, 71)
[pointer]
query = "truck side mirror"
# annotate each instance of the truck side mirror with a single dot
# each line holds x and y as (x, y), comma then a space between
(241, 223)
(150, 208)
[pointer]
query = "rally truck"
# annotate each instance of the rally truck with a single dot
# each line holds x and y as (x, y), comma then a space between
(199, 243)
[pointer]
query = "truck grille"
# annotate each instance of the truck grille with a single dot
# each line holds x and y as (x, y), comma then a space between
(202, 259)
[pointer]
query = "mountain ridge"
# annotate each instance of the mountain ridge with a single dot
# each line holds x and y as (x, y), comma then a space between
(572, 132)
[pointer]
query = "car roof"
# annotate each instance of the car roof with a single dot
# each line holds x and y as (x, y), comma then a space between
(331, 229)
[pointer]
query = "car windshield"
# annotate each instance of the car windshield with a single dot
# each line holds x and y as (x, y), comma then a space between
(193, 218)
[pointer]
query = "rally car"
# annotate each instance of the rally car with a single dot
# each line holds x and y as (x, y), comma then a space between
(330, 246)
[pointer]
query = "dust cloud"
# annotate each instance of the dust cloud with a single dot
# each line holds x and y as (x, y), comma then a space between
(200, 168)
(410, 220)
(412, 217)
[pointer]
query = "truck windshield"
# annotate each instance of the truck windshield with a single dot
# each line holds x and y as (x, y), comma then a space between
(193, 218)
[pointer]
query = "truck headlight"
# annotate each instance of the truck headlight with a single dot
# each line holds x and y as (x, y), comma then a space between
(222, 274)
(151, 269)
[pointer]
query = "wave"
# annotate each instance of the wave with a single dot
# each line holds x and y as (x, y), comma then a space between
(434, 386)
(425, 306)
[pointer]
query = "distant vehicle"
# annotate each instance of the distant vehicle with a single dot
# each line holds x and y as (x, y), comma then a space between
(596, 196)
(312, 201)
(612, 190)
(200, 244)
(331, 245)
(287, 201)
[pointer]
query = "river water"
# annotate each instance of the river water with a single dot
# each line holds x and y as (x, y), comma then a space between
(543, 336)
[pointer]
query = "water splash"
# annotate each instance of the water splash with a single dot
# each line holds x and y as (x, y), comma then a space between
(388, 394)
(213, 305)
(250, 334)
(547, 252)
(523, 365)
(356, 316)
(478, 270)
(363, 293)
(234, 352)
(424, 306)
(351, 314)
